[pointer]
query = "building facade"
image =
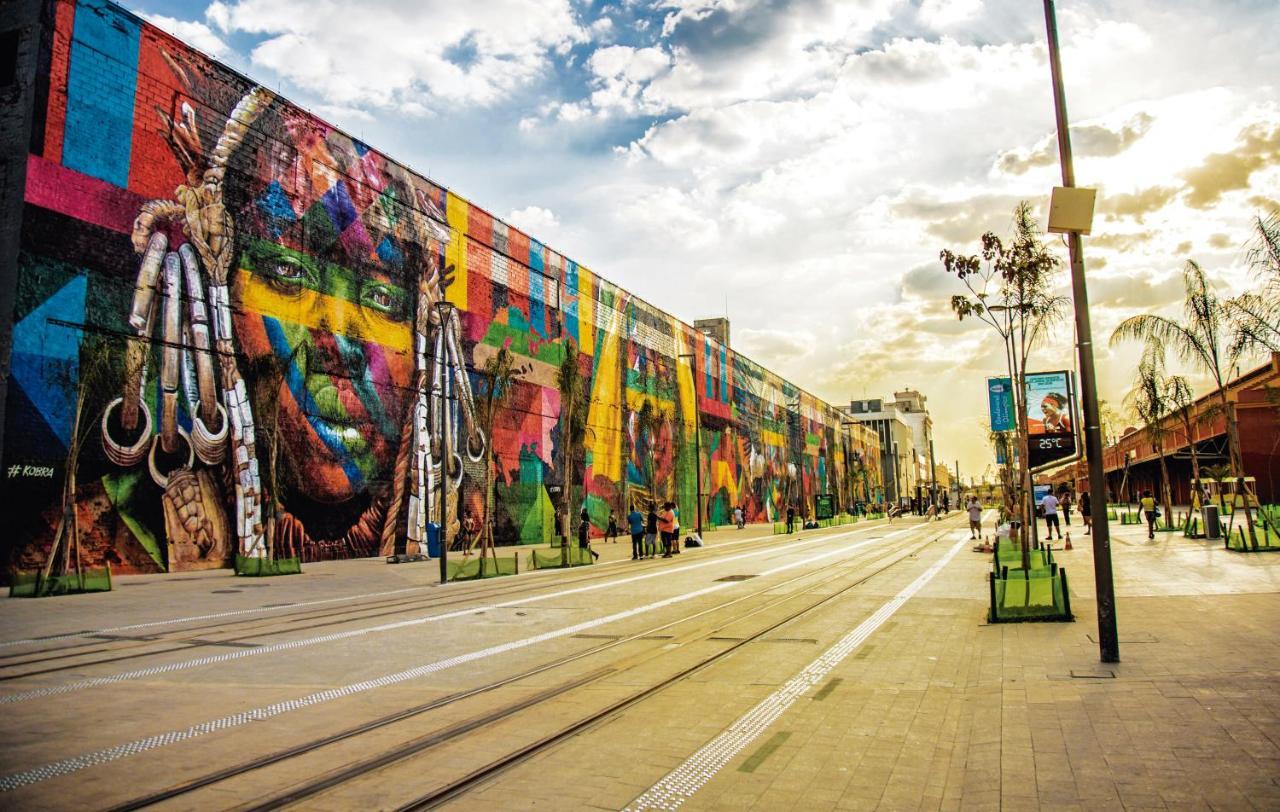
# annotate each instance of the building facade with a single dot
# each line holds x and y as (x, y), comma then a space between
(239, 330)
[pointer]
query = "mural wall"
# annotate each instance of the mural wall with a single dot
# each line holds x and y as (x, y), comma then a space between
(239, 330)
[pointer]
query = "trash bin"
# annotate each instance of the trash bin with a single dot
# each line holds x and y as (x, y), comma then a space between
(1212, 522)
(433, 539)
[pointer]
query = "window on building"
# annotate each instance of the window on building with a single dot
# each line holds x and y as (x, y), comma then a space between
(8, 58)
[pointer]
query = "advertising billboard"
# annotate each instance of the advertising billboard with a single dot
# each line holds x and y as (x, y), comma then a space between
(1050, 399)
(1000, 403)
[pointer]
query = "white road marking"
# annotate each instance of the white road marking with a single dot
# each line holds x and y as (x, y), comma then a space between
(52, 770)
(289, 645)
(680, 784)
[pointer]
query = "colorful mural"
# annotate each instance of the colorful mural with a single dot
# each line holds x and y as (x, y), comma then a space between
(240, 330)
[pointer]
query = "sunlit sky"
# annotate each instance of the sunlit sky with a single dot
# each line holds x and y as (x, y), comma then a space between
(799, 165)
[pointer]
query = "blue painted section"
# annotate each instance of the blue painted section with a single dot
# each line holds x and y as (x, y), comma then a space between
(724, 375)
(537, 303)
(101, 82)
(46, 357)
(571, 300)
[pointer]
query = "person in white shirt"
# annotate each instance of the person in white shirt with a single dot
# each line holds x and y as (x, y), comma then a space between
(1050, 505)
(975, 518)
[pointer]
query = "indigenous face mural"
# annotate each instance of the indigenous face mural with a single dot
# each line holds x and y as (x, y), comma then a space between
(241, 331)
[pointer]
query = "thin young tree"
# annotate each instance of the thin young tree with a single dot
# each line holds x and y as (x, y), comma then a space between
(499, 375)
(1011, 288)
(95, 372)
(1149, 399)
(573, 395)
(1201, 339)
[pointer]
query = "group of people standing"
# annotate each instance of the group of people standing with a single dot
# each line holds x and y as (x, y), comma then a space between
(647, 528)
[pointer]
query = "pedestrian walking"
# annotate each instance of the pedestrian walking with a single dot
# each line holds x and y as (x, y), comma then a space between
(1066, 501)
(738, 517)
(611, 532)
(651, 531)
(975, 518)
(791, 518)
(675, 531)
(1050, 506)
(946, 502)
(1147, 504)
(666, 526)
(635, 523)
(584, 535)
(1086, 515)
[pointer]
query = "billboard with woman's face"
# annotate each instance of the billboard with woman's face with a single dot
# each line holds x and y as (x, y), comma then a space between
(1050, 399)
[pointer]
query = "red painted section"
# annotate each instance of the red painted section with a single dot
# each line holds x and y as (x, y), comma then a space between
(68, 192)
(56, 113)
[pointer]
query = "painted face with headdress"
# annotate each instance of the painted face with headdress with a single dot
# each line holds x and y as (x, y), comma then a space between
(327, 265)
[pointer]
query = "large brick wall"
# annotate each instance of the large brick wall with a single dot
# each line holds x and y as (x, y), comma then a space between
(229, 335)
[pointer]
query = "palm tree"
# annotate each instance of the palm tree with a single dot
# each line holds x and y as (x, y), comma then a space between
(1201, 339)
(499, 375)
(1255, 316)
(1149, 398)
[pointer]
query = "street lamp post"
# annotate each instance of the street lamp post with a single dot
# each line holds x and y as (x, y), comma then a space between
(1108, 642)
(438, 391)
(697, 442)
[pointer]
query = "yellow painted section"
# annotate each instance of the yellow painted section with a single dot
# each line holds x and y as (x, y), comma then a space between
(586, 310)
(604, 415)
(321, 312)
(772, 438)
(636, 401)
(684, 380)
(455, 253)
(722, 476)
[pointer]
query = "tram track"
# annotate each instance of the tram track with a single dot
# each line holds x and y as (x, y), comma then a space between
(878, 559)
(256, 629)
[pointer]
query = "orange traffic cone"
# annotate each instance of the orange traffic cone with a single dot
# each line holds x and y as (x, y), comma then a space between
(1067, 544)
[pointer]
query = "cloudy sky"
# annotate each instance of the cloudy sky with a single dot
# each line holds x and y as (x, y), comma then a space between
(800, 164)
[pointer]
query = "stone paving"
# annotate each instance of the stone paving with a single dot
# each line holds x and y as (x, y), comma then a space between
(939, 710)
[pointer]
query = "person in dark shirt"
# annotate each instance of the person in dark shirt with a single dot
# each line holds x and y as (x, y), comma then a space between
(584, 535)
(651, 532)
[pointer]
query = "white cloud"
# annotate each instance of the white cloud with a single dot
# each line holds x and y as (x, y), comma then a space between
(534, 220)
(193, 33)
(380, 57)
(940, 14)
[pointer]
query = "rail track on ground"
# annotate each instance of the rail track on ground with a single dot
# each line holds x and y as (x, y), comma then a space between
(238, 632)
(862, 565)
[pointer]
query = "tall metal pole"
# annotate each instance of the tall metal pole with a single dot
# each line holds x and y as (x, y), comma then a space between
(1108, 639)
(442, 403)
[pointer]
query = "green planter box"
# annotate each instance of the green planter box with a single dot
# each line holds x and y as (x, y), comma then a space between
(267, 567)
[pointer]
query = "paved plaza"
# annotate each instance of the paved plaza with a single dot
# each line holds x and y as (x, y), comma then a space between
(846, 668)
